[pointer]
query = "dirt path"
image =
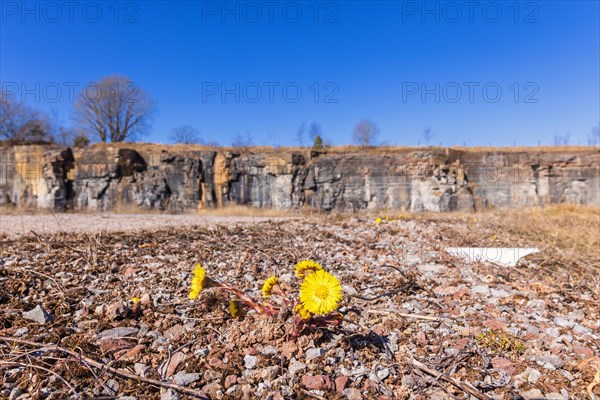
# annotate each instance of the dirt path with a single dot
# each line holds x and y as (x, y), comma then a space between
(13, 224)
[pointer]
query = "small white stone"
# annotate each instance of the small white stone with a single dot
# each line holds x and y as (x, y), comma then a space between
(314, 353)
(184, 378)
(534, 376)
(250, 361)
(38, 314)
(296, 366)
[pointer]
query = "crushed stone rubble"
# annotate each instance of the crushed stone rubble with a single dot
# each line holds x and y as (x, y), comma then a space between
(506, 332)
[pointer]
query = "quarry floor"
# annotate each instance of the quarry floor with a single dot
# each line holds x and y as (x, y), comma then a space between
(44, 223)
(96, 306)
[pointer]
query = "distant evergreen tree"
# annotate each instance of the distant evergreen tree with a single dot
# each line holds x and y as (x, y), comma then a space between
(81, 141)
(318, 144)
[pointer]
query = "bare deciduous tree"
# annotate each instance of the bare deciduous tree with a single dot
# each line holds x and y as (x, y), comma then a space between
(114, 109)
(35, 130)
(314, 130)
(186, 134)
(427, 135)
(365, 133)
(300, 134)
(243, 140)
(562, 140)
(19, 123)
(273, 142)
(65, 136)
(594, 136)
(11, 116)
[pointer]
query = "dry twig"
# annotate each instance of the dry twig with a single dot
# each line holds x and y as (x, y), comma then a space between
(438, 375)
(415, 316)
(114, 371)
(596, 380)
(12, 364)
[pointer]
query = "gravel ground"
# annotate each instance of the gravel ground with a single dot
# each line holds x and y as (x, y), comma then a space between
(14, 224)
(417, 323)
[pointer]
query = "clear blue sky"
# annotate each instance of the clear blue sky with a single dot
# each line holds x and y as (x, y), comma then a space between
(363, 59)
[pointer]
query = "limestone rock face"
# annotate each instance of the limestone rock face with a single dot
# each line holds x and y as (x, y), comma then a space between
(36, 177)
(174, 183)
(181, 178)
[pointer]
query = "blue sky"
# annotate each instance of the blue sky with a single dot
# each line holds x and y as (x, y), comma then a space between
(500, 73)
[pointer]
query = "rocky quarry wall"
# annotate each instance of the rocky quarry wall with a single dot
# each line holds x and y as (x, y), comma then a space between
(179, 178)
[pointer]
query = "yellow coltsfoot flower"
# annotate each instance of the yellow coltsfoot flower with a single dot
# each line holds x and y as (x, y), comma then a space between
(234, 309)
(305, 267)
(320, 292)
(197, 282)
(301, 311)
(268, 286)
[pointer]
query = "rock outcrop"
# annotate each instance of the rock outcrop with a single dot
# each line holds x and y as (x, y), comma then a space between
(180, 178)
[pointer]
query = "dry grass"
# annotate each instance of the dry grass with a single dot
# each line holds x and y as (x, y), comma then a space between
(227, 211)
(568, 237)
(247, 211)
(466, 149)
(156, 147)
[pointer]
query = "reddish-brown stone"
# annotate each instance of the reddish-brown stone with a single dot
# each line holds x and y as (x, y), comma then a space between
(495, 324)
(341, 383)
(288, 349)
(230, 380)
(316, 382)
(585, 351)
(504, 364)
